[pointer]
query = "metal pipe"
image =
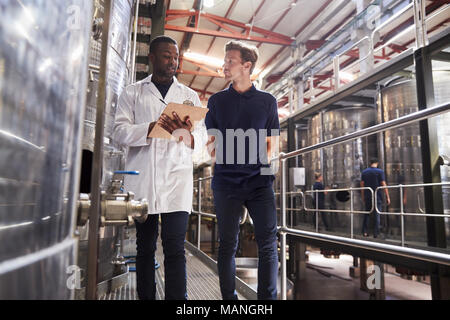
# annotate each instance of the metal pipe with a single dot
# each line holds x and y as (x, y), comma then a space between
(317, 211)
(94, 212)
(401, 186)
(351, 213)
(417, 254)
(283, 234)
(133, 59)
(204, 179)
(210, 215)
(402, 217)
(337, 210)
(199, 222)
(337, 80)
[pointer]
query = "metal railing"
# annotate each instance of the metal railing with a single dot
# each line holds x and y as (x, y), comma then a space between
(425, 255)
(402, 214)
(351, 211)
(418, 254)
(201, 214)
(421, 36)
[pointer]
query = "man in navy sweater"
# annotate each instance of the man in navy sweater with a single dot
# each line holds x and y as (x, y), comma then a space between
(373, 177)
(243, 129)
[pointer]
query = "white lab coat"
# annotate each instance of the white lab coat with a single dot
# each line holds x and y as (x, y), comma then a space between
(166, 169)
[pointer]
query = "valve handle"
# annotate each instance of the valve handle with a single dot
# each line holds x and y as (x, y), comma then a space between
(134, 173)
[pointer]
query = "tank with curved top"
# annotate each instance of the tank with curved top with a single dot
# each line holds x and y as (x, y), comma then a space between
(114, 156)
(342, 164)
(403, 157)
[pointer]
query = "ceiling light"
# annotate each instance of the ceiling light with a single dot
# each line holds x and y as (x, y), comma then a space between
(208, 3)
(346, 76)
(200, 58)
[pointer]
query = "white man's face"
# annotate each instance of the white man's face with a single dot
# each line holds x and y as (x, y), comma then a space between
(233, 66)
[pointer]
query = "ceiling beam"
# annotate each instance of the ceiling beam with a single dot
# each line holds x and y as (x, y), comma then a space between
(311, 19)
(273, 40)
(267, 36)
(227, 14)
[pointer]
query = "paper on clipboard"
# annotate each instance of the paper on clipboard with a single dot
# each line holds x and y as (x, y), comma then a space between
(195, 114)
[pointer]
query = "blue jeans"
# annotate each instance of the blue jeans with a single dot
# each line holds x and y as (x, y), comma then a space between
(374, 215)
(261, 207)
(173, 234)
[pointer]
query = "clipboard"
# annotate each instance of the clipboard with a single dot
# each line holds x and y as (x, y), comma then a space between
(195, 114)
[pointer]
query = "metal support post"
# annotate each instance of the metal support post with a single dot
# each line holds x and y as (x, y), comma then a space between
(94, 212)
(199, 221)
(402, 221)
(283, 225)
(440, 283)
(351, 213)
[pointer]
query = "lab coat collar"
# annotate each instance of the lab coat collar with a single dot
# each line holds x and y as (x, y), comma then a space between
(152, 87)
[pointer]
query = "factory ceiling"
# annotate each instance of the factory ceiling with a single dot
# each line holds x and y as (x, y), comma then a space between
(285, 32)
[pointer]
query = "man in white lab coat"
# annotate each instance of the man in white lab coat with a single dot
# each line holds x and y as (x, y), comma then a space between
(165, 166)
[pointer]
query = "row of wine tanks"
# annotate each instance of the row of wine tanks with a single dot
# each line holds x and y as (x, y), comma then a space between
(341, 165)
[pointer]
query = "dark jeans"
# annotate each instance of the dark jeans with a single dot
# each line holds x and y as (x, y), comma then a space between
(173, 233)
(375, 217)
(261, 207)
(324, 216)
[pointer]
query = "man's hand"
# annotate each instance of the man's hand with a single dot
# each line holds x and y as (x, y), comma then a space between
(178, 128)
(150, 128)
(210, 146)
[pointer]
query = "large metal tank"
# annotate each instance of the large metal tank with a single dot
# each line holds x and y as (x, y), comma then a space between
(403, 158)
(113, 157)
(43, 57)
(340, 165)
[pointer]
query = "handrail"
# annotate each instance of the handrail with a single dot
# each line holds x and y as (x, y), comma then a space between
(401, 186)
(338, 190)
(391, 19)
(412, 253)
(336, 59)
(203, 179)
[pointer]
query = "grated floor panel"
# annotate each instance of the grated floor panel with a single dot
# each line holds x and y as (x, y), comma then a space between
(202, 282)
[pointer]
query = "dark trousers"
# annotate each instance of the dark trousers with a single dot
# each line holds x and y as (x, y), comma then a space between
(173, 233)
(374, 215)
(261, 207)
(324, 216)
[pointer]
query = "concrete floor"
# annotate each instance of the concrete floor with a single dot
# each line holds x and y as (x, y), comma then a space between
(328, 279)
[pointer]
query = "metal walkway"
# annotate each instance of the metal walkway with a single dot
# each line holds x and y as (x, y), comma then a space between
(202, 281)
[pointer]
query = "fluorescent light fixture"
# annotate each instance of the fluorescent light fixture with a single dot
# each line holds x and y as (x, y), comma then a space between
(200, 58)
(209, 61)
(208, 3)
(346, 76)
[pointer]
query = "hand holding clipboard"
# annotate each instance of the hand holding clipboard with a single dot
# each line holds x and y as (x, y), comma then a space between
(195, 114)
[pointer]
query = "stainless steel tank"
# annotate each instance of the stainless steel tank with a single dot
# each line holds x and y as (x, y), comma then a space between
(43, 57)
(340, 165)
(113, 156)
(403, 154)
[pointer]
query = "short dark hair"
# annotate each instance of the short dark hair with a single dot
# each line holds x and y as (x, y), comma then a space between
(317, 175)
(161, 39)
(373, 160)
(248, 52)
